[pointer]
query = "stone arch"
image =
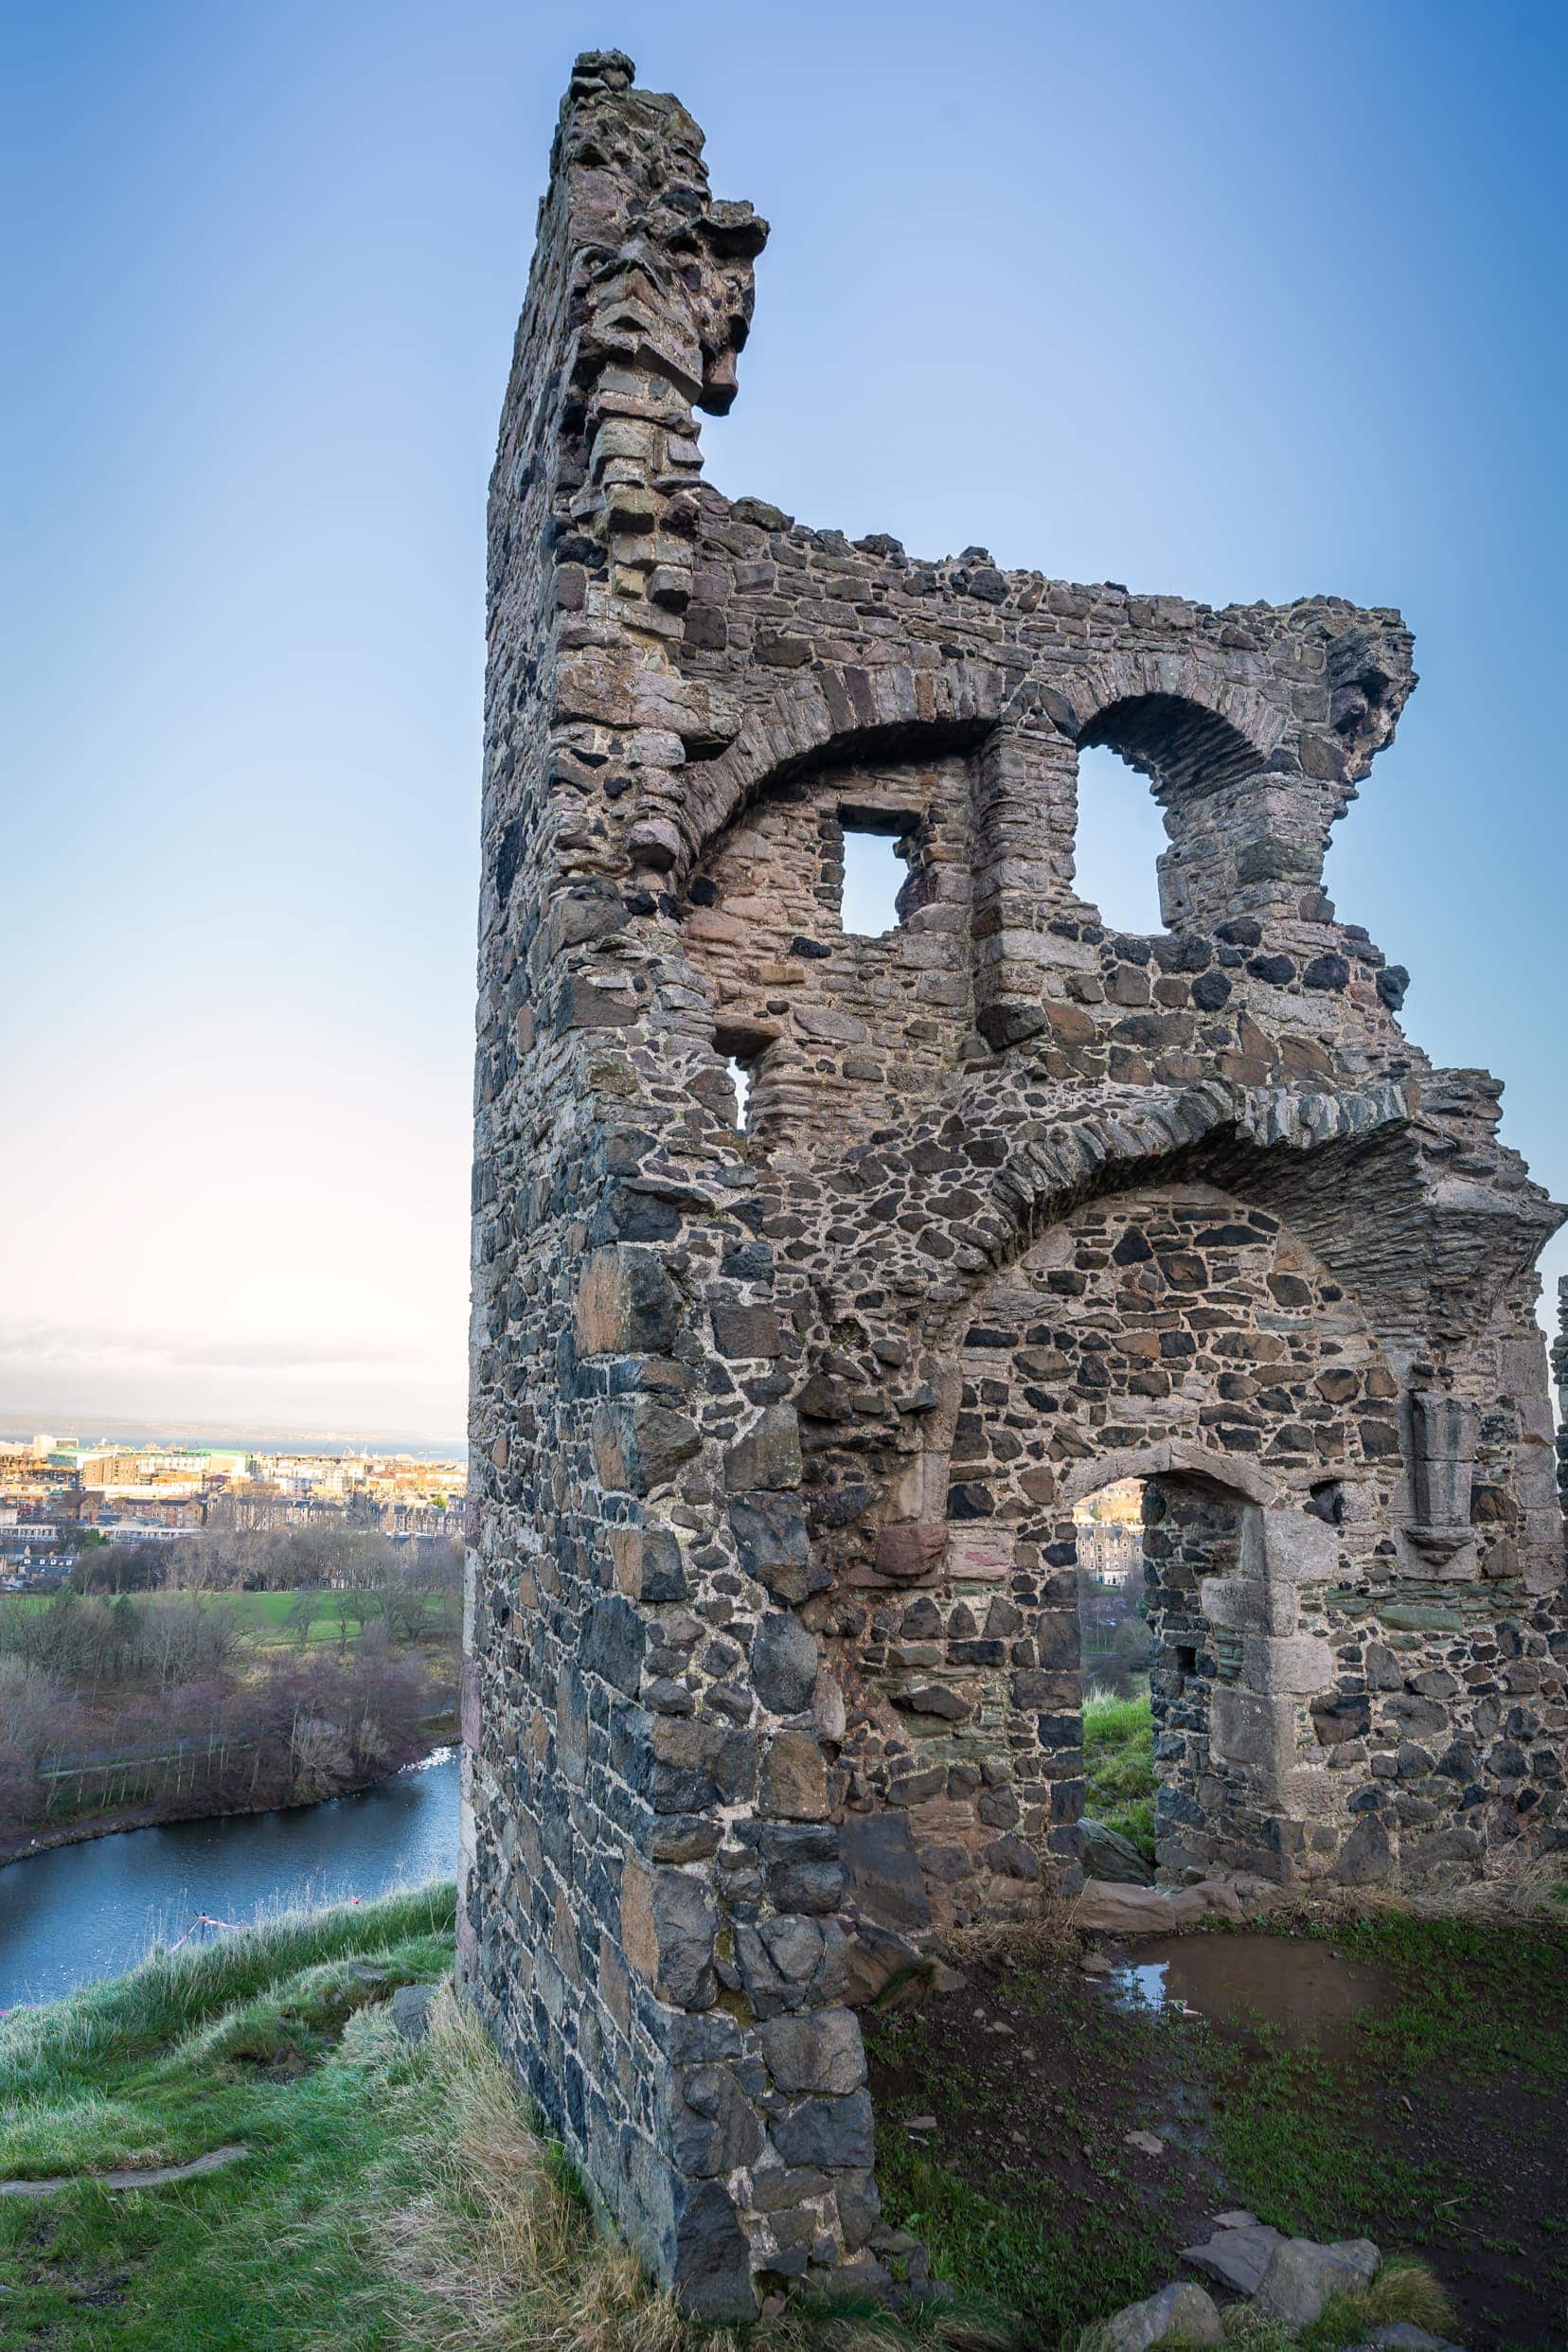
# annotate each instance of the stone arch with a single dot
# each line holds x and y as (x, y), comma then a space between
(832, 713)
(1170, 1455)
(1180, 745)
(814, 1012)
(1248, 824)
(1170, 1331)
(1161, 701)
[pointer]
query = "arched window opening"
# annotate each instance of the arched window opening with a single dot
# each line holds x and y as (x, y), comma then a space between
(1180, 745)
(1121, 835)
(878, 868)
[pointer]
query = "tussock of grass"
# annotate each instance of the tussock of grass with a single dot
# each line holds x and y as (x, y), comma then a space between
(1403, 2289)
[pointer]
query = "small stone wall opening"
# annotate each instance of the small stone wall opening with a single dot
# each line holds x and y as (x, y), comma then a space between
(877, 872)
(1120, 838)
(744, 1052)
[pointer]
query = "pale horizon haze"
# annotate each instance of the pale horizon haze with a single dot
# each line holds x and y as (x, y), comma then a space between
(1224, 300)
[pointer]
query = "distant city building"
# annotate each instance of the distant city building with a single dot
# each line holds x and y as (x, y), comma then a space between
(1108, 1526)
(111, 1468)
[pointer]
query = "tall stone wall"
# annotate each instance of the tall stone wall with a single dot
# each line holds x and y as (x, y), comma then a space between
(779, 1424)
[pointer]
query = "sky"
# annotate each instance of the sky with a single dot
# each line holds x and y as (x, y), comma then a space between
(1229, 300)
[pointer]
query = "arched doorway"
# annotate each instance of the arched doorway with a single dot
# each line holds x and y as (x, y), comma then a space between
(1179, 1337)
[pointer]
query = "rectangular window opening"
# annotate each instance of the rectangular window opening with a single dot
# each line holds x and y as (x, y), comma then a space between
(877, 870)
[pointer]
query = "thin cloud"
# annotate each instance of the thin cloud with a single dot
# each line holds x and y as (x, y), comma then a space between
(103, 1348)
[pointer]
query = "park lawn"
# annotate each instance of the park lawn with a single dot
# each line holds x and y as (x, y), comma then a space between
(264, 1616)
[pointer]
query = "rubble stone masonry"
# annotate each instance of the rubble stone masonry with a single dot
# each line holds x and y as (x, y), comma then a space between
(778, 1427)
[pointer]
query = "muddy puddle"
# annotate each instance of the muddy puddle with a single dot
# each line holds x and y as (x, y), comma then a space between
(1253, 1987)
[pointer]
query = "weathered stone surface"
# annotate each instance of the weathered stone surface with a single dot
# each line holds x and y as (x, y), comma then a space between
(410, 2007)
(1236, 2256)
(826, 2132)
(1110, 1857)
(1301, 2276)
(883, 1881)
(1367, 1855)
(1180, 2314)
(792, 1784)
(780, 1421)
(821, 2052)
(772, 1544)
(784, 1665)
(711, 2268)
(1105, 1908)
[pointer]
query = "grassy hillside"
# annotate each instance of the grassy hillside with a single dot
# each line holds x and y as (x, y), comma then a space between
(280, 2039)
(399, 2199)
(392, 2199)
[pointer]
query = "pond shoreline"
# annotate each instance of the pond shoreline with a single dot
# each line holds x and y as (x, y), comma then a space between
(111, 1825)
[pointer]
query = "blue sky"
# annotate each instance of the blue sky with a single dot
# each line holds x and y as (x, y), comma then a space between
(1235, 301)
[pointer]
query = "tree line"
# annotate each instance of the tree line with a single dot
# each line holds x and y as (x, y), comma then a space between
(115, 1699)
(247, 1560)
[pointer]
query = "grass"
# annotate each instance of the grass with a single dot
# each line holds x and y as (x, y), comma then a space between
(393, 2198)
(401, 2199)
(1118, 1765)
(264, 1616)
(263, 2038)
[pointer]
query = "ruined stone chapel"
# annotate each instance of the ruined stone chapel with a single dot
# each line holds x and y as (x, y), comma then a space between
(780, 1412)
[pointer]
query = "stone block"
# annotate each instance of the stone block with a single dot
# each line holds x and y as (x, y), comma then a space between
(1253, 1734)
(783, 1663)
(772, 1544)
(819, 2052)
(828, 2134)
(639, 1445)
(627, 1304)
(883, 1881)
(614, 1642)
(743, 1332)
(1302, 2275)
(710, 2260)
(909, 1551)
(1182, 2315)
(1289, 1547)
(1295, 1663)
(768, 1454)
(792, 1784)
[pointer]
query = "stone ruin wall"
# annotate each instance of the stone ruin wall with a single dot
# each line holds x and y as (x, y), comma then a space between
(772, 1644)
